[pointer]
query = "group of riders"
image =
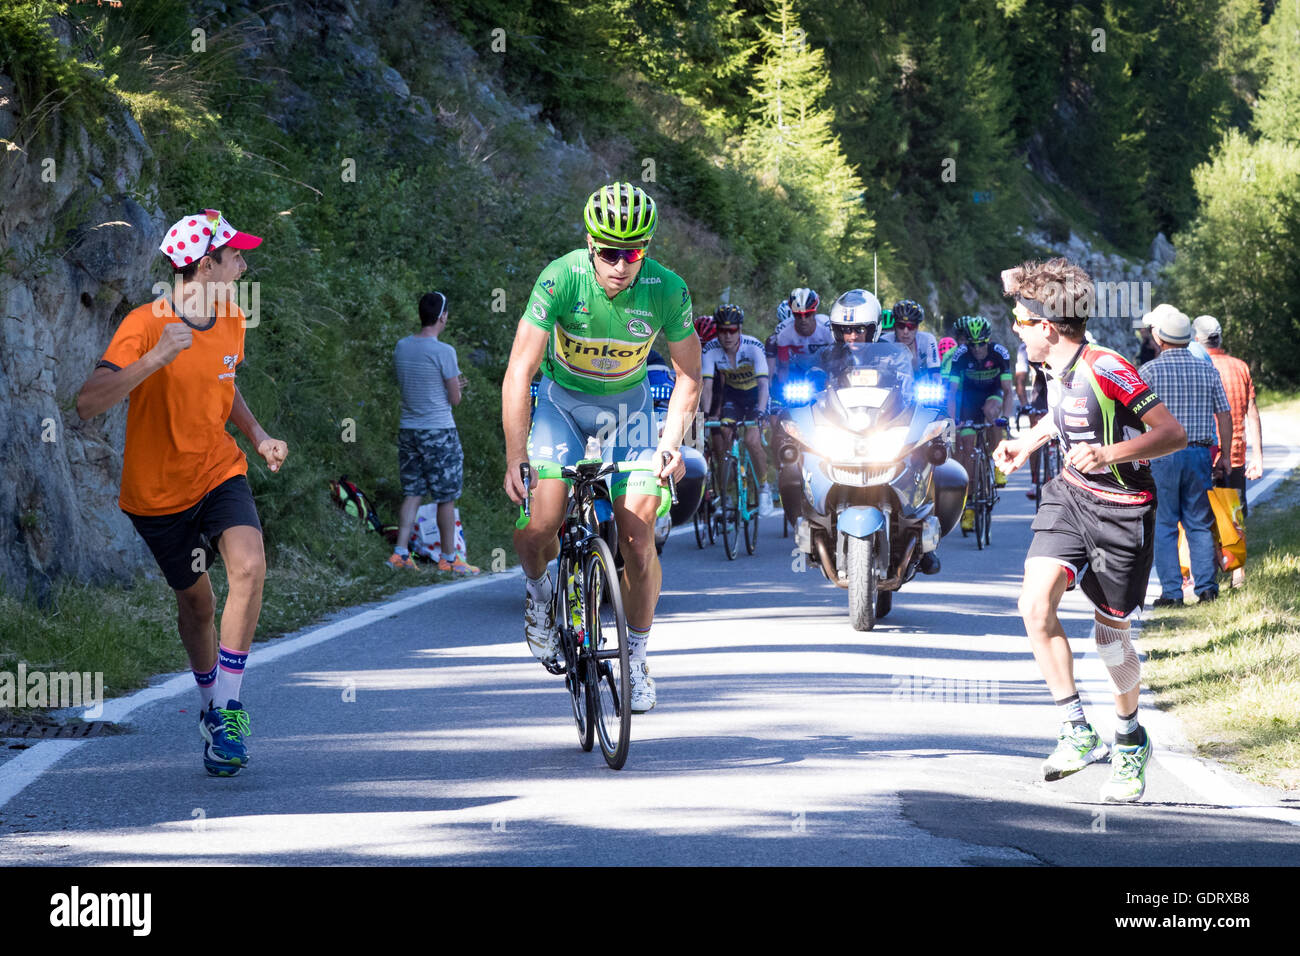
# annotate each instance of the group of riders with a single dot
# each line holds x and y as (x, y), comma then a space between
(588, 329)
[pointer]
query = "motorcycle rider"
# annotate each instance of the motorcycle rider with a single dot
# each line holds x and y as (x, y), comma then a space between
(856, 322)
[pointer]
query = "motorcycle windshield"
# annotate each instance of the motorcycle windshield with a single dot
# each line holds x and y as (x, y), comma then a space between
(878, 374)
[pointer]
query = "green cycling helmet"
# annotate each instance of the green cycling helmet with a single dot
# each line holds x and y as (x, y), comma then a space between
(620, 214)
(977, 328)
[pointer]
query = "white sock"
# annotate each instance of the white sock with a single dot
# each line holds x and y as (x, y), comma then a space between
(539, 589)
(449, 558)
(230, 675)
(636, 643)
(402, 552)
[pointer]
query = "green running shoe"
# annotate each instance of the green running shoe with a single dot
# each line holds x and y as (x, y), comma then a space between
(1128, 773)
(1076, 747)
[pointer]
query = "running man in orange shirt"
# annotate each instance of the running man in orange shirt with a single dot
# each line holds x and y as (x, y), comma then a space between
(183, 476)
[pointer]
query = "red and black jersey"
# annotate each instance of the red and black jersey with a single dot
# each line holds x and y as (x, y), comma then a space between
(1099, 400)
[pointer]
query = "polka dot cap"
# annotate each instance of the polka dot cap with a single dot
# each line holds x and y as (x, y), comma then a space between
(194, 236)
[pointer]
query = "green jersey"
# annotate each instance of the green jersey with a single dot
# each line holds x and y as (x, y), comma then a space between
(597, 344)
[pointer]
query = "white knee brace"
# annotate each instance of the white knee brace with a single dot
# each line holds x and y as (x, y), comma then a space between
(1120, 657)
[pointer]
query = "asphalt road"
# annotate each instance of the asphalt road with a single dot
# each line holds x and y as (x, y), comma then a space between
(422, 731)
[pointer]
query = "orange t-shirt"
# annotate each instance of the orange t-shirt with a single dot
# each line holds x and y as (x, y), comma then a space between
(177, 446)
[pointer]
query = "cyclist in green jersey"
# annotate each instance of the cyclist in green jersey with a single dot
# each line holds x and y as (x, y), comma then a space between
(589, 325)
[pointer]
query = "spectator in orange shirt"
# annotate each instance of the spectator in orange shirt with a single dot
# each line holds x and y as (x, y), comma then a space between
(1240, 387)
(1235, 470)
(183, 476)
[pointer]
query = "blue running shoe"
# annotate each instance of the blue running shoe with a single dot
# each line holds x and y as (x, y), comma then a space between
(223, 732)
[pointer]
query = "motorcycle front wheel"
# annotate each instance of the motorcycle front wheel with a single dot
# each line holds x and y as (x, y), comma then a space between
(862, 583)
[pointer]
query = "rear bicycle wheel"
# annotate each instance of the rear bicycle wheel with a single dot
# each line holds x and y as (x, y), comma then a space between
(569, 617)
(751, 504)
(701, 520)
(608, 666)
(729, 507)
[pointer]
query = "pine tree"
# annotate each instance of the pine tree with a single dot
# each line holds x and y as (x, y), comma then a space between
(790, 142)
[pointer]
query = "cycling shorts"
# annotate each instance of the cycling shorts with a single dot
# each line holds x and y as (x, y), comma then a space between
(625, 423)
(1106, 546)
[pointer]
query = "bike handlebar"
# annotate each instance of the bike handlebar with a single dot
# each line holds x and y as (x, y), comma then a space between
(667, 493)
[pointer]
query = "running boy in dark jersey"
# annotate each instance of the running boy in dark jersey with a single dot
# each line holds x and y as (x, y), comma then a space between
(1095, 522)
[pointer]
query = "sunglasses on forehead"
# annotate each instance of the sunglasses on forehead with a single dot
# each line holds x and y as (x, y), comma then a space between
(610, 256)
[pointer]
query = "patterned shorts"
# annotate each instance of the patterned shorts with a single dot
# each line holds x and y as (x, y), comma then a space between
(431, 462)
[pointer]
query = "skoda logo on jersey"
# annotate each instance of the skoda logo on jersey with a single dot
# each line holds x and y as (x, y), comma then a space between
(604, 364)
(539, 311)
(653, 280)
(581, 307)
(549, 286)
(639, 329)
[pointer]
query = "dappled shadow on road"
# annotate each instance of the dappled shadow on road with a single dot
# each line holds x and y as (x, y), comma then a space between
(1099, 834)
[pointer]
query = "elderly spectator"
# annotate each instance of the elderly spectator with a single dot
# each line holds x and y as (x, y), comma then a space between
(1240, 388)
(1194, 393)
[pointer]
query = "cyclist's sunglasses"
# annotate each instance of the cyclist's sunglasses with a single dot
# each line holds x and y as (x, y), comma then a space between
(804, 313)
(727, 329)
(907, 325)
(1024, 315)
(611, 256)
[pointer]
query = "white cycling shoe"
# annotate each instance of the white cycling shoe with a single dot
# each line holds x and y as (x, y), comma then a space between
(765, 507)
(539, 628)
(642, 697)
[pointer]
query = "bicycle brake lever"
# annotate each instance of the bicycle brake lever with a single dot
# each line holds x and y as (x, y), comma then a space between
(672, 484)
(526, 476)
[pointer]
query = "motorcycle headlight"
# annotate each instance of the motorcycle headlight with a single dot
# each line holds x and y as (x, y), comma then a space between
(885, 446)
(834, 443)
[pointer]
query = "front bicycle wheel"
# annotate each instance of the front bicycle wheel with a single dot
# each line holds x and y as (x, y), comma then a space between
(981, 500)
(729, 506)
(607, 656)
(569, 618)
(751, 505)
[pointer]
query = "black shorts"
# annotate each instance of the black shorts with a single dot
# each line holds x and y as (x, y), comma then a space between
(1107, 546)
(739, 404)
(185, 543)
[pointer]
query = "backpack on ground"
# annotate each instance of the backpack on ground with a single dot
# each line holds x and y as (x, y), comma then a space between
(354, 501)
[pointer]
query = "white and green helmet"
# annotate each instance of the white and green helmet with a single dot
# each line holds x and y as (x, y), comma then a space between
(620, 214)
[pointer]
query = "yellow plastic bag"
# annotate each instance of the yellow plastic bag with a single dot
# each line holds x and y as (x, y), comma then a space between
(1229, 530)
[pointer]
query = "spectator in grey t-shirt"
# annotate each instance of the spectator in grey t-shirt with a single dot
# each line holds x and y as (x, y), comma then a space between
(429, 455)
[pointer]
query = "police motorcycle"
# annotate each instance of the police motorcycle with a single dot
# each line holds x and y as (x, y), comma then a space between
(865, 474)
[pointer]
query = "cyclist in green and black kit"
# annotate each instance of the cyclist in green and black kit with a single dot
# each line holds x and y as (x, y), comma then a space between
(589, 325)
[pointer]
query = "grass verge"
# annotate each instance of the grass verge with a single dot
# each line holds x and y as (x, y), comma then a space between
(1230, 671)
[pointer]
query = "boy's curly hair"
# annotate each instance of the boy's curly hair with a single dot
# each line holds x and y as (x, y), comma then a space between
(1063, 290)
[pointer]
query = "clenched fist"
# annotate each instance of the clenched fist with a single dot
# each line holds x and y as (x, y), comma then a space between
(175, 338)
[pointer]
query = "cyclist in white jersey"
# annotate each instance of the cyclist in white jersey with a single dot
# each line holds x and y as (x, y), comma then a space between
(735, 384)
(908, 316)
